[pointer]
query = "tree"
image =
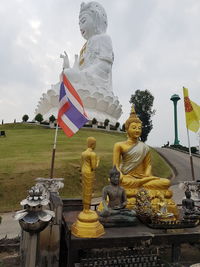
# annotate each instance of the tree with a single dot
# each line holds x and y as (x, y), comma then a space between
(25, 118)
(39, 117)
(117, 124)
(52, 118)
(106, 122)
(143, 103)
(94, 121)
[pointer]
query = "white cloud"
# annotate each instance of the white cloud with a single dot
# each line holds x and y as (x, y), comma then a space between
(156, 45)
(35, 24)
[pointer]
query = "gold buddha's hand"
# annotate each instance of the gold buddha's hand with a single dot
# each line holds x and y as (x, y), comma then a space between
(147, 179)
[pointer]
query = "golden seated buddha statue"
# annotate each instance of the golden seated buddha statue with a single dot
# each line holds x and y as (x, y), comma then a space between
(133, 159)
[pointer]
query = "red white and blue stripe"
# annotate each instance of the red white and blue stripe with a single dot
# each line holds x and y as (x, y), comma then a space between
(71, 113)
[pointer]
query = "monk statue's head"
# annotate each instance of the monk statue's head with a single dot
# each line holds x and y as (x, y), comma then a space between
(91, 142)
(133, 125)
(92, 19)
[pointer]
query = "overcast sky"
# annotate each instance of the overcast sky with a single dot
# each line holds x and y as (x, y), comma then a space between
(156, 45)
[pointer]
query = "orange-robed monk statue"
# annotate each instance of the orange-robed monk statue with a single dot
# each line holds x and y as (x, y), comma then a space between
(132, 158)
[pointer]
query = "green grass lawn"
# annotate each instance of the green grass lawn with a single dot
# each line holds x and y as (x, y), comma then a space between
(25, 154)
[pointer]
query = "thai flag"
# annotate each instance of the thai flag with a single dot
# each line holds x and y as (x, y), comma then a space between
(71, 113)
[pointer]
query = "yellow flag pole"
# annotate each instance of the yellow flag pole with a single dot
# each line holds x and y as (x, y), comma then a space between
(190, 153)
(198, 137)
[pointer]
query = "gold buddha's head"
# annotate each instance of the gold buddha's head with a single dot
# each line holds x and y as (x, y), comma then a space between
(91, 142)
(133, 125)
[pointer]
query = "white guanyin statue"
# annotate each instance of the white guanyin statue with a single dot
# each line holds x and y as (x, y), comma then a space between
(91, 74)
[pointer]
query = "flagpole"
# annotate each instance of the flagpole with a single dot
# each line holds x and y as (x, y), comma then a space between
(190, 153)
(53, 152)
(198, 134)
(55, 138)
(64, 106)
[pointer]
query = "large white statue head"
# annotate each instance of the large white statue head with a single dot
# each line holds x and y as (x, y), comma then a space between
(92, 19)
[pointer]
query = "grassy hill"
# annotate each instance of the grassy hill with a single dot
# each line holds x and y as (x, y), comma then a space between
(25, 154)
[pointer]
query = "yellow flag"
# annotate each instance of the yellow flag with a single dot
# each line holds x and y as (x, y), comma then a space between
(192, 112)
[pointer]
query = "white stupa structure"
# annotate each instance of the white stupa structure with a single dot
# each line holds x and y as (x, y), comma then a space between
(91, 74)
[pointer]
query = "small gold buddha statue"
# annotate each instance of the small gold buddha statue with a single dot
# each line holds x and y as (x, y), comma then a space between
(87, 224)
(132, 158)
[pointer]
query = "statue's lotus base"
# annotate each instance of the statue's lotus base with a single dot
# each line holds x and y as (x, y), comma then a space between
(87, 225)
(123, 219)
(98, 103)
(169, 217)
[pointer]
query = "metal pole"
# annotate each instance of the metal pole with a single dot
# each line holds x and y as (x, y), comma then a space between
(176, 141)
(175, 98)
(53, 152)
(190, 153)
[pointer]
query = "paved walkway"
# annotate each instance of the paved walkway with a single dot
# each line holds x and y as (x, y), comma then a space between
(179, 161)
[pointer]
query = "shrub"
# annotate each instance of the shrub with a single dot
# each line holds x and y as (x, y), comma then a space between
(45, 123)
(101, 127)
(87, 125)
(193, 149)
(113, 128)
(184, 148)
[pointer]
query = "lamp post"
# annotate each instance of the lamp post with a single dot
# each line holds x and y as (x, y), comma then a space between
(175, 98)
